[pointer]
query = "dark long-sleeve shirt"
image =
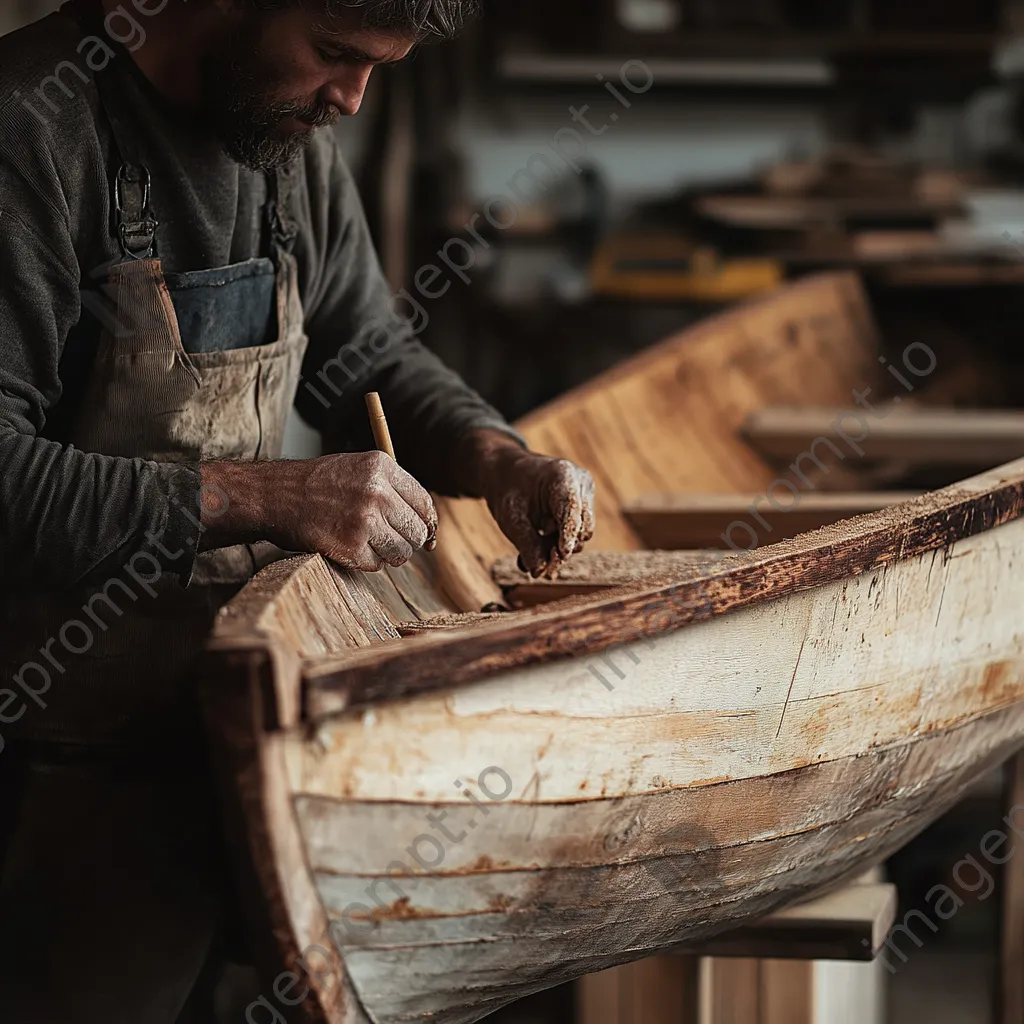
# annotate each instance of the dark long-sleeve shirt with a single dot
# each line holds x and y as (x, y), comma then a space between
(67, 515)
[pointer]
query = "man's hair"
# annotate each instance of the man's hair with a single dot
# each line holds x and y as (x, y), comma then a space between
(426, 19)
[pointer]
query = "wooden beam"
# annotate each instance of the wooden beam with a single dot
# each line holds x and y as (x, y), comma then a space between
(975, 439)
(944, 275)
(849, 924)
(674, 521)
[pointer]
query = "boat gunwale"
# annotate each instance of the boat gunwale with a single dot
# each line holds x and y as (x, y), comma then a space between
(590, 624)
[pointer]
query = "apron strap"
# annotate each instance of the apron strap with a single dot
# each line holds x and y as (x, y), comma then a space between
(133, 222)
(281, 229)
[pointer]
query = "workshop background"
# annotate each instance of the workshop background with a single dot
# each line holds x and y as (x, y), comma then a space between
(581, 173)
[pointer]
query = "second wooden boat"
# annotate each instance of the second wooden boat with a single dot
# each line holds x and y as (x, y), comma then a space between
(439, 811)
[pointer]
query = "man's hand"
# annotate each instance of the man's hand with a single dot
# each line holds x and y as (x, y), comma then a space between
(362, 511)
(544, 506)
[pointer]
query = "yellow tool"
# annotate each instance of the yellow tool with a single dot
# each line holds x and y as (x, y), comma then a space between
(663, 268)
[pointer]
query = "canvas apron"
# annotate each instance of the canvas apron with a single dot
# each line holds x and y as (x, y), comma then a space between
(110, 893)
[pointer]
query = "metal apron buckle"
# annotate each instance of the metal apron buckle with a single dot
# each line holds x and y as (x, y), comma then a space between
(135, 220)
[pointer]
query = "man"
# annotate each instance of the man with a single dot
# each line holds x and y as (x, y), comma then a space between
(183, 253)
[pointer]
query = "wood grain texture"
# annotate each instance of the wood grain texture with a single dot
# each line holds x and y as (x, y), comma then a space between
(787, 992)
(738, 765)
(733, 991)
(286, 922)
(653, 991)
(593, 572)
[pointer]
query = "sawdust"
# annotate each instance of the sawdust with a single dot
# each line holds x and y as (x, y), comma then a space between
(613, 568)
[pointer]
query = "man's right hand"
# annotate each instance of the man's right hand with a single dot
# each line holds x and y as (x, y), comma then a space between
(362, 511)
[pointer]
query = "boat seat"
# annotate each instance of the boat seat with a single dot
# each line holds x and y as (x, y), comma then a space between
(671, 522)
(970, 439)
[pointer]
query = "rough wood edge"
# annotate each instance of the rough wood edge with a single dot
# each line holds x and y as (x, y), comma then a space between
(263, 835)
(580, 626)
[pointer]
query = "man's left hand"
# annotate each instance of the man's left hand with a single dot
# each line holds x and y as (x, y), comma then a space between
(544, 506)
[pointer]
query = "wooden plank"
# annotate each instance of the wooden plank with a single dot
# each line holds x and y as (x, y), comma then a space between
(973, 439)
(850, 924)
(510, 927)
(1010, 989)
(950, 275)
(287, 927)
(761, 973)
(594, 625)
(417, 591)
(669, 522)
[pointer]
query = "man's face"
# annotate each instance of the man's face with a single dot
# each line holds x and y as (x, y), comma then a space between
(281, 75)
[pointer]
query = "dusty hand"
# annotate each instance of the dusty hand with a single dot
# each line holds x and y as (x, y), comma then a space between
(364, 512)
(544, 506)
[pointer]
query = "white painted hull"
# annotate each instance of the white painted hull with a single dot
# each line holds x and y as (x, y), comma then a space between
(741, 763)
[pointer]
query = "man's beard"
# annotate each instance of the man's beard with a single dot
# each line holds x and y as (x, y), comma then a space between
(246, 113)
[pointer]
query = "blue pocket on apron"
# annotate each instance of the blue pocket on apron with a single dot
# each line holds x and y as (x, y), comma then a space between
(226, 309)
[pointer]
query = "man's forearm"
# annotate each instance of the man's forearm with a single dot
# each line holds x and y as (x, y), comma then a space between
(480, 457)
(243, 502)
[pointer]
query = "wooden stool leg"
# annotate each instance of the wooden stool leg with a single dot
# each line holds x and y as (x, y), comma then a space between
(660, 990)
(1011, 968)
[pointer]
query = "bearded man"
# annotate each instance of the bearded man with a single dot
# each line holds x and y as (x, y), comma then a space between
(184, 257)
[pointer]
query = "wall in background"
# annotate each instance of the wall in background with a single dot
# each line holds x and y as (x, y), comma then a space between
(670, 140)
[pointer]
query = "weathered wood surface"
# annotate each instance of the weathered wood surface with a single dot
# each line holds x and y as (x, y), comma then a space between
(288, 928)
(977, 439)
(737, 765)
(668, 522)
(580, 626)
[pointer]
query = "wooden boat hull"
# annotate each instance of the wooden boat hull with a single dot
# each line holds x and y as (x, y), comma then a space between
(833, 735)
(437, 825)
